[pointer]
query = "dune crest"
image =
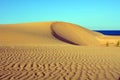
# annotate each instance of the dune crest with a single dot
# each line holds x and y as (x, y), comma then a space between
(75, 34)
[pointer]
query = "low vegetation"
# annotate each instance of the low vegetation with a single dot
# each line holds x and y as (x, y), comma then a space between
(118, 44)
(107, 44)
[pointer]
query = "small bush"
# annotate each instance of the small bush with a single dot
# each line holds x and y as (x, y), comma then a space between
(107, 44)
(118, 44)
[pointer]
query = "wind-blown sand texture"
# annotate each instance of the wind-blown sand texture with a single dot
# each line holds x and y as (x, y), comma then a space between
(43, 51)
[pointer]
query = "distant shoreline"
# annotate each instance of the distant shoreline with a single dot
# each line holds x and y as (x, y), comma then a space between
(109, 32)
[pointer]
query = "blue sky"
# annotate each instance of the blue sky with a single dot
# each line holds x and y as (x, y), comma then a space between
(92, 14)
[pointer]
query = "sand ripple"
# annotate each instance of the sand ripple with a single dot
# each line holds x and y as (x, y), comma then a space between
(59, 63)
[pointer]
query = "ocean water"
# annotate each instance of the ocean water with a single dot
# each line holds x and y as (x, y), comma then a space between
(109, 32)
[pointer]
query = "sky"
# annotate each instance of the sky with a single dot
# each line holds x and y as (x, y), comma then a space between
(92, 14)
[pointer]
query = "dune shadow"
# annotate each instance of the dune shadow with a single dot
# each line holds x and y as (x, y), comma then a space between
(60, 38)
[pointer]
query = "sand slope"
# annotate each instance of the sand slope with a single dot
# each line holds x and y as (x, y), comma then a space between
(28, 33)
(75, 34)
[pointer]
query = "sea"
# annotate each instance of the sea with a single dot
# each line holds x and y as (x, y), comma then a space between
(109, 32)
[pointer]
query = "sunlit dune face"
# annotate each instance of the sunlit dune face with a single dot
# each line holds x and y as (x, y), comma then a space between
(75, 34)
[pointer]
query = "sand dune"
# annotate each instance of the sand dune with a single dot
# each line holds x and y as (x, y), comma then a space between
(56, 51)
(82, 36)
(28, 33)
(42, 34)
(75, 34)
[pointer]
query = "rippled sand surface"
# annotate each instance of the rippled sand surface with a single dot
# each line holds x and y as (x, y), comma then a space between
(59, 63)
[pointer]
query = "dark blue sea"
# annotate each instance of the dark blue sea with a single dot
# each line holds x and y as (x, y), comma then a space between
(109, 32)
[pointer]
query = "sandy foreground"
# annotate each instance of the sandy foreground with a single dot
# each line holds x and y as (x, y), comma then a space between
(59, 63)
(32, 52)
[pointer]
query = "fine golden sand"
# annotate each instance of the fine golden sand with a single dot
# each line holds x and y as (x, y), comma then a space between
(57, 51)
(59, 63)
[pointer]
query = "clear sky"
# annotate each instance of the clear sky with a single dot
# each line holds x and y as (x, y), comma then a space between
(92, 14)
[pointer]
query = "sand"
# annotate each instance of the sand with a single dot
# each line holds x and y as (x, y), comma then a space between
(29, 33)
(59, 63)
(31, 51)
(75, 34)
